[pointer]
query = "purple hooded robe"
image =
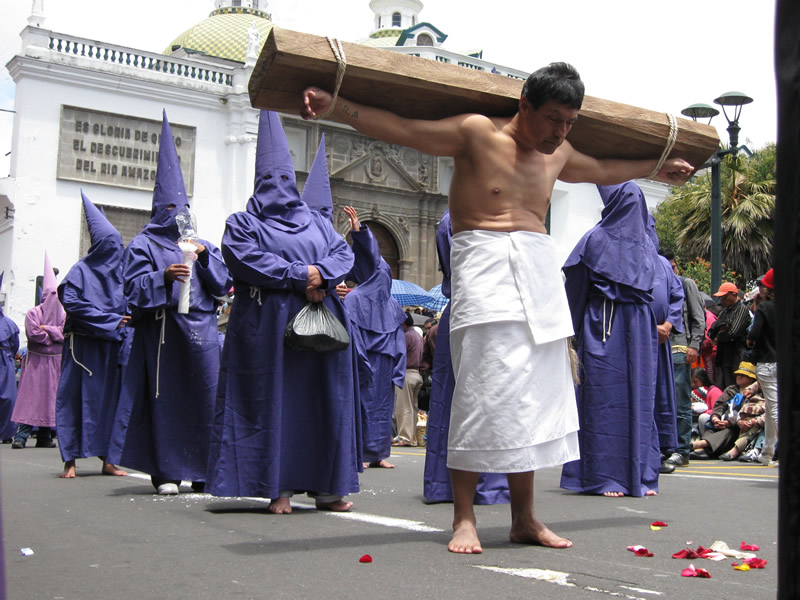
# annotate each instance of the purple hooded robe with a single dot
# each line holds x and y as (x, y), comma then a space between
(94, 301)
(610, 276)
(318, 197)
(285, 419)
(44, 328)
(164, 416)
(9, 344)
(667, 306)
(492, 487)
(379, 318)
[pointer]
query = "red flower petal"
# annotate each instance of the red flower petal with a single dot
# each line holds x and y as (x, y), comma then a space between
(689, 571)
(751, 547)
(658, 524)
(703, 573)
(640, 551)
(365, 559)
(686, 553)
(756, 563)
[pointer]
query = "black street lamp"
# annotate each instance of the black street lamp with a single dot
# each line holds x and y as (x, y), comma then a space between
(736, 100)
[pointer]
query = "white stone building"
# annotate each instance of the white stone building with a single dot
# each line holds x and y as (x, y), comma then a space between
(88, 116)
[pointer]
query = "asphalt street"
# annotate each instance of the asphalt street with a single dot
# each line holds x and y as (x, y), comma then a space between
(102, 537)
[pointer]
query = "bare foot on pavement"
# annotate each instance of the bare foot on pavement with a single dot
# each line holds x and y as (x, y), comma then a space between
(280, 506)
(537, 533)
(465, 539)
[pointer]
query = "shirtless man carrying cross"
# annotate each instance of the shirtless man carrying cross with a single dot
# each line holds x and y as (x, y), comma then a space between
(514, 404)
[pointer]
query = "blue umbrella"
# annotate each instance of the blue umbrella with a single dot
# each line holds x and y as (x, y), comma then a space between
(410, 294)
(439, 299)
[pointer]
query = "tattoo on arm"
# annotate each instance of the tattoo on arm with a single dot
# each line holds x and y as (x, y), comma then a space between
(353, 114)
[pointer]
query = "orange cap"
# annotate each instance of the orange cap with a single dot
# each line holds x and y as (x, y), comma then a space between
(727, 288)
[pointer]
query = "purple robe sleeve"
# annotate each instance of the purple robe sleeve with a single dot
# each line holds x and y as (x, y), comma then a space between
(339, 261)
(250, 263)
(367, 255)
(577, 287)
(215, 276)
(399, 374)
(100, 324)
(676, 295)
(145, 288)
(9, 334)
(42, 334)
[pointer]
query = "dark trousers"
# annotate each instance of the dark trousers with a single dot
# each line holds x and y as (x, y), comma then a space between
(24, 432)
(683, 397)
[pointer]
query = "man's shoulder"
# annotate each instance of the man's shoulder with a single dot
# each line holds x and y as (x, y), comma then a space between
(690, 285)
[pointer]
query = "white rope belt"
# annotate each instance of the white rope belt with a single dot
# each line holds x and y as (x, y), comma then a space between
(255, 292)
(671, 139)
(29, 352)
(160, 315)
(607, 333)
(71, 337)
(341, 65)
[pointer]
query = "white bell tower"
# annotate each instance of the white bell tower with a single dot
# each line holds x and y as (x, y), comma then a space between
(395, 14)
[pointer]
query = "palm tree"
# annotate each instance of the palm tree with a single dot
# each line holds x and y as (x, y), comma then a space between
(748, 206)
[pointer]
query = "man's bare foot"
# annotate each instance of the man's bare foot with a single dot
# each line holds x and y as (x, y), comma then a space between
(537, 534)
(381, 464)
(613, 494)
(651, 493)
(337, 506)
(465, 539)
(109, 469)
(280, 506)
(69, 470)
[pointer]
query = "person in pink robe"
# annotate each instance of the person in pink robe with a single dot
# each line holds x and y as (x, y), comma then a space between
(36, 396)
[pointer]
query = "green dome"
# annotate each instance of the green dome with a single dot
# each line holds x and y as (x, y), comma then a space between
(224, 33)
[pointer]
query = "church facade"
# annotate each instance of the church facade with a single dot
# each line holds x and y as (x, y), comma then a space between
(88, 117)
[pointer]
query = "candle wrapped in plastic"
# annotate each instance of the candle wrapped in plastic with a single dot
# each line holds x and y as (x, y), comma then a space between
(187, 225)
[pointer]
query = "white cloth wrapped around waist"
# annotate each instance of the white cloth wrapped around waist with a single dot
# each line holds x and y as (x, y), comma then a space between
(508, 276)
(514, 406)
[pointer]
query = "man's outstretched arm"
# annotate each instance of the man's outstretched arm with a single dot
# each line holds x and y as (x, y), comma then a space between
(580, 168)
(445, 137)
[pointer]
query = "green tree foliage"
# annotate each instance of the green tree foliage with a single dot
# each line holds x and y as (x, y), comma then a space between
(700, 270)
(683, 221)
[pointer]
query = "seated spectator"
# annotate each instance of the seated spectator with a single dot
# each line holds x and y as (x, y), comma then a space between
(735, 420)
(704, 393)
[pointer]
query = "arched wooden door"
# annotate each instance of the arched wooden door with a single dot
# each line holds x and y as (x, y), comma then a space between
(386, 244)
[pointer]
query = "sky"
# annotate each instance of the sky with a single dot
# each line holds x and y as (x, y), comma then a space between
(663, 56)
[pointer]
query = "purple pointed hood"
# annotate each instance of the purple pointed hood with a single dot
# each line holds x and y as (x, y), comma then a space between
(317, 191)
(169, 188)
(620, 247)
(1, 289)
(105, 252)
(275, 197)
(98, 275)
(50, 306)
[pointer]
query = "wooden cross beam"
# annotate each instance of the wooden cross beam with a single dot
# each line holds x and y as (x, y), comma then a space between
(424, 89)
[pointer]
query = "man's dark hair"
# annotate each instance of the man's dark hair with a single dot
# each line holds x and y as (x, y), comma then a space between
(409, 320)
(557, 81)
(667, 253)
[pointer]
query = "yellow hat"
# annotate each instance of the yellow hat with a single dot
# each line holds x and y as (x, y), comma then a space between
(747, 369)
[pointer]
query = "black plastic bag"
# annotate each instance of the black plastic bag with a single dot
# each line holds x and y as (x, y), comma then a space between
(317, 329)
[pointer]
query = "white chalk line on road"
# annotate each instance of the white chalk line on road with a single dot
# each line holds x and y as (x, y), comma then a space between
(418, 526)
(406, 524)
(744, 479)
(562, 579)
